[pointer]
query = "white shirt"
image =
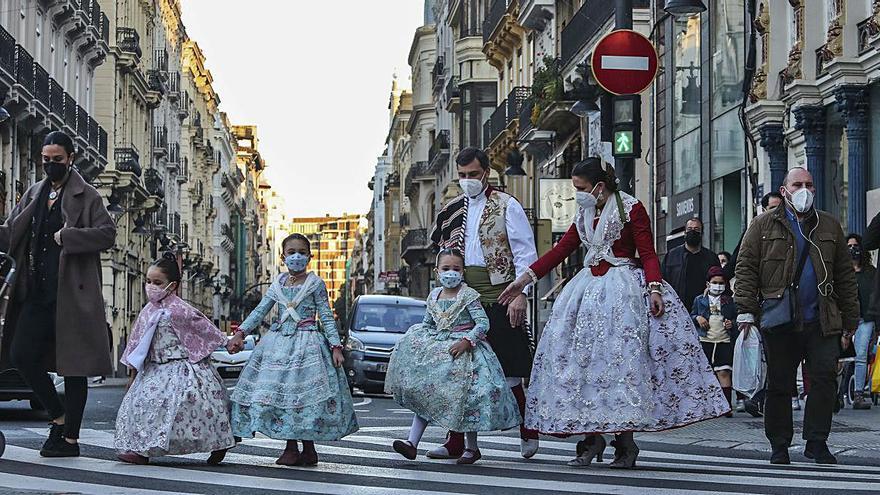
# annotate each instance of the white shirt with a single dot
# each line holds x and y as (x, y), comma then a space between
(519, 234)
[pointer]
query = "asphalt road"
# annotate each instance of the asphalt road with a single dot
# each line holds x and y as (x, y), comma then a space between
(365, 464)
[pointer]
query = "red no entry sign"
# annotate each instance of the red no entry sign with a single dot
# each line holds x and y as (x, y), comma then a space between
(624, 62)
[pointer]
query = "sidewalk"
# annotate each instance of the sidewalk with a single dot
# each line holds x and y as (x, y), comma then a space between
(853, 433)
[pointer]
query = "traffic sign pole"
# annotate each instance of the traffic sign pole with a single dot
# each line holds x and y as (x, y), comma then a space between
(625, 167)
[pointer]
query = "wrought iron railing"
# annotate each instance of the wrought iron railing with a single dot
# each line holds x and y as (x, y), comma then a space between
(160, 60)
(56, 98)
(7, 51)
(496, 12)
(102, 142)
(160, 137)
(41, 84)
(24, 68)
(586, 23)
(439, 147)
(69, 111)
(414, 239)
(82, 123)
(174, 153)
(437, 74)
(452, 90)
(128, 40)
(153, 183)
(525, 115)
(128, 160)
(507, 112)
(105, 28)
(93, 133)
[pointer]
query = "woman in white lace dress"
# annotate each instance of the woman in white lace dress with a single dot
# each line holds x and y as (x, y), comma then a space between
(619, 353)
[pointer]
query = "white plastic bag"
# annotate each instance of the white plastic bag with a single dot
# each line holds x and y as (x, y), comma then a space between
(749, 363)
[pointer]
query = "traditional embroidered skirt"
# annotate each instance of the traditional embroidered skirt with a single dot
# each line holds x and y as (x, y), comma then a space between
(604, 364)
(290, 390)
(467, 393)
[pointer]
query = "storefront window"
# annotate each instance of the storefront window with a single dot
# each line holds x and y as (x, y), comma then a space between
(727, 212)
(687, 162)
(728, 51)
(728, 145)
(686, 104)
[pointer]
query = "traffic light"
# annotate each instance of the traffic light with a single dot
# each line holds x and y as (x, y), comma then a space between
(625, 113)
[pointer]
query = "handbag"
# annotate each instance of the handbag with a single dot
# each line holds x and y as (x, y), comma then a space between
(783, 313)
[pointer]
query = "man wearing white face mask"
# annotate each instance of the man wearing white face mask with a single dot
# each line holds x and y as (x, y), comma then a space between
(795, 282)
(492, 230)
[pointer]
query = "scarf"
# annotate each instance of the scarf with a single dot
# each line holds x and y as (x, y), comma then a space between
(445, 319)
(599, 239)
(287, 309)
(196, 333)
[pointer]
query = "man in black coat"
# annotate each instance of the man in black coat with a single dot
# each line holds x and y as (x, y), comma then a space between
(685, 267)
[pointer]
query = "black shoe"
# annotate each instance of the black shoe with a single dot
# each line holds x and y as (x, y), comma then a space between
(780, 456)
(818, 451)
(860, 403)
(755, 408)
(56, 434)
(62, 448)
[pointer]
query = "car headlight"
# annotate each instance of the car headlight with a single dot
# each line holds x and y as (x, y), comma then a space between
(354, 344)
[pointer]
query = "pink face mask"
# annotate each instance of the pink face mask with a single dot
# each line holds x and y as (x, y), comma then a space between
(155, 294)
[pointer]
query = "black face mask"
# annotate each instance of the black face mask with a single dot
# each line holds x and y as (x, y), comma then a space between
(855, 252)
(693, 238)
(55, 171)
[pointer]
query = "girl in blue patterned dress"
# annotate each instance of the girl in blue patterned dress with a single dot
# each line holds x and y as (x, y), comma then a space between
(293, 387)
(445, 372)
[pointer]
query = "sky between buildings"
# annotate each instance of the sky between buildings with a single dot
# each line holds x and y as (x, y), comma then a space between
(315, 77)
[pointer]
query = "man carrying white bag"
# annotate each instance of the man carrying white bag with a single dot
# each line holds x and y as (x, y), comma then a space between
(749, 363)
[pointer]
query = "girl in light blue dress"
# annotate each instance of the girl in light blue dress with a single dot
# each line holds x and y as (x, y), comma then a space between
(445, 372)
(293, 386)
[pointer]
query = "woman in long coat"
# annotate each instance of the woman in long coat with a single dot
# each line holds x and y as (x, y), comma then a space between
(56, 234)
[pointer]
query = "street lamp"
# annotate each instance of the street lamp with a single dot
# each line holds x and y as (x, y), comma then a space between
(684, 7)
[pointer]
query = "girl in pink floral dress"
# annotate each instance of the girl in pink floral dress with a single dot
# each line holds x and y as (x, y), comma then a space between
(176, 402)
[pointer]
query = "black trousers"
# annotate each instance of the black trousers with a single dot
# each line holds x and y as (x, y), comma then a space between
(33, 345)
(785, 351)
(511, 345)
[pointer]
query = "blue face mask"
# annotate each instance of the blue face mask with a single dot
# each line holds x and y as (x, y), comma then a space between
(450, 279)
(296, 262)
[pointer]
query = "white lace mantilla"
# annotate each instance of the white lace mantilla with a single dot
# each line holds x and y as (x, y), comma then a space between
(599, 240)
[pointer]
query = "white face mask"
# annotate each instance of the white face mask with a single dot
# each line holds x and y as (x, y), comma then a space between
(471, 187)
(801, 200)
(585, 199)
(716, 289)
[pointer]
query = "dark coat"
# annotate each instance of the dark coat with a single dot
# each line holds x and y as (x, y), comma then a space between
(81, 347)
(674, 271)
(870, 242)
(728, 311)
(768, 261)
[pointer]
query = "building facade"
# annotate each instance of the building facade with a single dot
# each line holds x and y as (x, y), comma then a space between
(333, 241)
(125, 80)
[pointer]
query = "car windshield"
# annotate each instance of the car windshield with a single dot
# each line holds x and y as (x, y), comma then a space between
(394, 318)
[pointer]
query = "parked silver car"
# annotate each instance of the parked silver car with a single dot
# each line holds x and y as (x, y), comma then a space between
(230, 365)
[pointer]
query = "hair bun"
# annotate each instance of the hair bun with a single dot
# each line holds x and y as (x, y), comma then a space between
(168, 255)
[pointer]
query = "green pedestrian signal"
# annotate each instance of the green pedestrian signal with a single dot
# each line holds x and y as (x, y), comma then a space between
(623, 142)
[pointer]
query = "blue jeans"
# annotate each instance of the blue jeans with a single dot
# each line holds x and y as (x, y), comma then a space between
(862, 342)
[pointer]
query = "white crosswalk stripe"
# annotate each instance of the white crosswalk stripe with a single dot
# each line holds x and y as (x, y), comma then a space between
(364, 464)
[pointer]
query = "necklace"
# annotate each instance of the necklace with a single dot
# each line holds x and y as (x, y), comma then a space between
(293, 278)
(53, 194)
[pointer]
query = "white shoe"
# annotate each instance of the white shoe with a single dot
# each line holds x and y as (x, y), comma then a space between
(528, 448)
(439, 453)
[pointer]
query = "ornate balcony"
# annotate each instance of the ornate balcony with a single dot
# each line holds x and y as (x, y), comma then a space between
(24, 69)
(438, 156)
(501, 32)
(586, 24)
(82, 123)
(56, 99)
(128, 41)
(102, 142)
(536, 14)
(160, 141)
(41, 85)
(438, 76)
(70, 112)
(502, 128)
(128, 160)
(414, 245)
(93, 133)
(7, 52)
(153, 183)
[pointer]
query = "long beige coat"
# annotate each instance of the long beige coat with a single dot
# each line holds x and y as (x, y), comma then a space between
(82, 344)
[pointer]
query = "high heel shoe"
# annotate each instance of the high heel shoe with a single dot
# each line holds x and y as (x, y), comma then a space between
(587, 449)
(625, 451)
